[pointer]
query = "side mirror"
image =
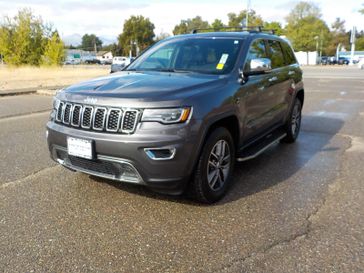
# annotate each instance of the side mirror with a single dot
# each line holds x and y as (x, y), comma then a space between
(260, 66)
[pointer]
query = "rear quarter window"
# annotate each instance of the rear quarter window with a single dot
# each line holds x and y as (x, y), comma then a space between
(289, 56)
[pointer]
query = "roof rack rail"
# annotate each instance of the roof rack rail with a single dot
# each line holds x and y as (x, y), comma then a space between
(251, 29)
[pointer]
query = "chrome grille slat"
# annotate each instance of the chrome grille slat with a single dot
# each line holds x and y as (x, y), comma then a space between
(99, 119)
(86, 119)
(109, 119)
(129, 122)
(60, 112)
(67, 113)
(76, 115)
(113, 119)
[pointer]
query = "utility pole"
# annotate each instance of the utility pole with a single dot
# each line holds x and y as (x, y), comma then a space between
(131, 49)
(321, 43)
(95, 47)
(337, 51)
(352, 41)
(317, 45)
(247, 13)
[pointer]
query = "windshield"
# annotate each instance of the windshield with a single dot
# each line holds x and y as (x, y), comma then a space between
(202, 55)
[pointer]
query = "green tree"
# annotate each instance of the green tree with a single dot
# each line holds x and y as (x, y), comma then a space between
(115, 49)
(19, 38)
(217, 25)
(362, 10)
(303, 10)
(54, 51)
(276, 26)
(186, 26)
(23, 38)
(359, 43)
(139, 30)
(235, 20)
(89, 41)
(161, 36)
(338, 36)
(305, 28)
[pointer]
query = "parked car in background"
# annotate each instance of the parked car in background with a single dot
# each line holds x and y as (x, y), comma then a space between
(324, 60)
(331, 60)
(119, 63)
(72, 62)
(93, 61)
(106, 61)
(361, 63)
(342, 61)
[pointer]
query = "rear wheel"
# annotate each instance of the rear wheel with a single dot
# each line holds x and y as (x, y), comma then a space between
(214, 168)
(293, 124)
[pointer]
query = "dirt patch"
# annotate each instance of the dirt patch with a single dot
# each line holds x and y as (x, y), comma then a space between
(29, 77)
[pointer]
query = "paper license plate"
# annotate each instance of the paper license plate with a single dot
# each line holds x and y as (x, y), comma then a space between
(80, 147)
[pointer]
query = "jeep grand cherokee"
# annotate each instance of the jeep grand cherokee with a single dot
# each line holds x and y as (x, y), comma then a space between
(179, 117)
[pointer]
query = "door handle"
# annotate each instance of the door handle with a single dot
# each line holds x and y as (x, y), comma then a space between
(273, 79)
(290, 73)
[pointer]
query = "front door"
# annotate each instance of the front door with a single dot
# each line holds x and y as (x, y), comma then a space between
(257, 94)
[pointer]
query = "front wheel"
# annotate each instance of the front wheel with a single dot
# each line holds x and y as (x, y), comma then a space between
(293, 124)
(214, 168)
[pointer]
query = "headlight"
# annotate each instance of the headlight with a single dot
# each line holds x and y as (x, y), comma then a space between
(167, 115)
(55, 103)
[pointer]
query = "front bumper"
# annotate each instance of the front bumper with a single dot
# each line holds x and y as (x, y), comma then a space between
(113, 152)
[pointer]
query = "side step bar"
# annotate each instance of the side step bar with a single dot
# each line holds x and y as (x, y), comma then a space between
(258, 148)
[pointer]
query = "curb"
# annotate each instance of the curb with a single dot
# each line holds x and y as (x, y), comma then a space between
(46, 91)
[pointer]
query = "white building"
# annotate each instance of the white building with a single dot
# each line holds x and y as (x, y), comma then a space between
(104, 56)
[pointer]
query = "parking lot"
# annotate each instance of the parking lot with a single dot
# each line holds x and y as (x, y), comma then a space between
(296, 208)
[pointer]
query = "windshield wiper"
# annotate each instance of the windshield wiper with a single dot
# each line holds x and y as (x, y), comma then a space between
(172, 70)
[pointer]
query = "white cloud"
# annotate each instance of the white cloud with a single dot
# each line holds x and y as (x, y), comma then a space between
(106, 18)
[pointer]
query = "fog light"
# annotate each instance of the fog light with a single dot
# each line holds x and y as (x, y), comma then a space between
(160, 153)
(47, 134)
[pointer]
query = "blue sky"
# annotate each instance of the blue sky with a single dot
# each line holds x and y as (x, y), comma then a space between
(105, 17)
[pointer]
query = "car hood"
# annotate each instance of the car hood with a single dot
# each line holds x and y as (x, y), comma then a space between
(146, 86)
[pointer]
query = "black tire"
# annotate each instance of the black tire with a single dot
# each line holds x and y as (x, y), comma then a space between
(203, 187)
(293, 124)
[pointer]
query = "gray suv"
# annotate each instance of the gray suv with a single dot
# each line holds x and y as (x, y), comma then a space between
(179, 117)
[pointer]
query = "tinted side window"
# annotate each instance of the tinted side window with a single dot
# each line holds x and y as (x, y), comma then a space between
(257, 50)
(288, 54)
(276, 54)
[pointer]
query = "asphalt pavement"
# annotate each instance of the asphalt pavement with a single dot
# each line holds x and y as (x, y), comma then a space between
(296, 208)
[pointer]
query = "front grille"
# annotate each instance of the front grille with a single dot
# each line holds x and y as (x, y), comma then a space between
(87, 117)
(113, 121)
(97, 118)
(76, 115)
(60, 112)
(96, 166)
(67, 113)
(129, 121)
(118, 170)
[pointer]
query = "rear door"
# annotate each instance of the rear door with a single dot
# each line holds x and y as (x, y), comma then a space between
(280, 81)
